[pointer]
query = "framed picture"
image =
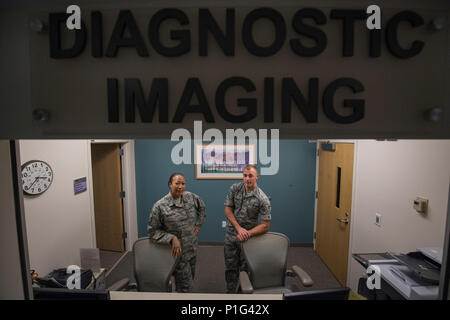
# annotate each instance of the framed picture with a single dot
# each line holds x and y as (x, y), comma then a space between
(222, 161)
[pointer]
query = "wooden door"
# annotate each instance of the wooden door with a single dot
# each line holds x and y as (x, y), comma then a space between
(107, 184)
(334, 207)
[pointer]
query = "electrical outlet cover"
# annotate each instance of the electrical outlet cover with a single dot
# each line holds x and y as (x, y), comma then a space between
(378, 219)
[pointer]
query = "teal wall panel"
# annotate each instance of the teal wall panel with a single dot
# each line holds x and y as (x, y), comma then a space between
(291, 190)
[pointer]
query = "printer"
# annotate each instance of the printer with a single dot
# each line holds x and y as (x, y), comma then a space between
(413, 276)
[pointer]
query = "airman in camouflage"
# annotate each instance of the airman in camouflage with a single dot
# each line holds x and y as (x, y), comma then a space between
(176, 220)
(244, 205)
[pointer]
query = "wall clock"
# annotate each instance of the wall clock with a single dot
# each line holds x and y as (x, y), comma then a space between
(37, 176)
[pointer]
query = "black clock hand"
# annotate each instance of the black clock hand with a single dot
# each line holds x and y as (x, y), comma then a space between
(35, 179)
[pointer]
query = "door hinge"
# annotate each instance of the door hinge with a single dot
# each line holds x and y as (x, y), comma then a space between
(317, 194)
(314, 235)
(124, 235)
(120, 152)
(122, 194)
(318, 150)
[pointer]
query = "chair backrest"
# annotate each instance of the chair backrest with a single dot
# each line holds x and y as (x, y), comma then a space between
(266, 257)
(153, 265)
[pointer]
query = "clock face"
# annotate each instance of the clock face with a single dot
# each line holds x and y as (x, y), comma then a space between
(37, 177)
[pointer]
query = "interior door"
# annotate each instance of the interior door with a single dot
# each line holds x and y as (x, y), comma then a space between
(107, 185)
(334, 202)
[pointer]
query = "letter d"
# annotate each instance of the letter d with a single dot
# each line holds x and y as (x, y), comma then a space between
(56, 49)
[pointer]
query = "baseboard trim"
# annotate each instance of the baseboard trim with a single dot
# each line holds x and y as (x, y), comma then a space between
(296, 244)
(210, 243)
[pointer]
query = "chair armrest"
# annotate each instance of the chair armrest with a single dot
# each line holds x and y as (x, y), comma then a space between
(245, 283)
(303, 276)
(119, 285)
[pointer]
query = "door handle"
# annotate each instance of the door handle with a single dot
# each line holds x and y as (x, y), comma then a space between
(342, 220)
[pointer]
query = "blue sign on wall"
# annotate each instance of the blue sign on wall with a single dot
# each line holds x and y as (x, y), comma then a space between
(79, 185)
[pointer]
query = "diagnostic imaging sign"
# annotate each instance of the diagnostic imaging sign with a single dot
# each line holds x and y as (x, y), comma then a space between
(322, 71)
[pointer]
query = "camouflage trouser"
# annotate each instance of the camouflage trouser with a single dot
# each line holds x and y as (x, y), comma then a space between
(234, 263)
(184, 275)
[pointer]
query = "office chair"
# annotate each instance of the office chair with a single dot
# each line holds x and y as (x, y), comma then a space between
(153, 266)
(266, 257)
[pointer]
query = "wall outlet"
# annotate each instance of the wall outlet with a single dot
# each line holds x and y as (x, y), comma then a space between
(378, 219)
(224, 224)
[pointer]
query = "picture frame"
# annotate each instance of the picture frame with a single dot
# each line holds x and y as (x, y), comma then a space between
(223, 161)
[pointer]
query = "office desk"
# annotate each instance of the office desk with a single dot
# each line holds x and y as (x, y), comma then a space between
(128, 295)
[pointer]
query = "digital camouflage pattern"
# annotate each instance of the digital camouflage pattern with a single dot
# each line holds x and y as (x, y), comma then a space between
(247, 209)
(170, 218)
(184, 274)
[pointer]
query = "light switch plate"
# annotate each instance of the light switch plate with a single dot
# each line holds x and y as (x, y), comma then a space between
(378, 219)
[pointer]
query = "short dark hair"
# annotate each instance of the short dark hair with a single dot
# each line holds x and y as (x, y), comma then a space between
(251, 166)
(173, 175)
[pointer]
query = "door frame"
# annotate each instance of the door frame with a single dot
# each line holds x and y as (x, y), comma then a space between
(129, 186)
(353, 215)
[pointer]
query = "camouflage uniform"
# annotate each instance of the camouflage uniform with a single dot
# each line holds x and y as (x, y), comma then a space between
(247, 208)
(171, 218)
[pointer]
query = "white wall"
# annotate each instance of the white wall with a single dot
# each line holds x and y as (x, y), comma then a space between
(58, 222)
(389, 175)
